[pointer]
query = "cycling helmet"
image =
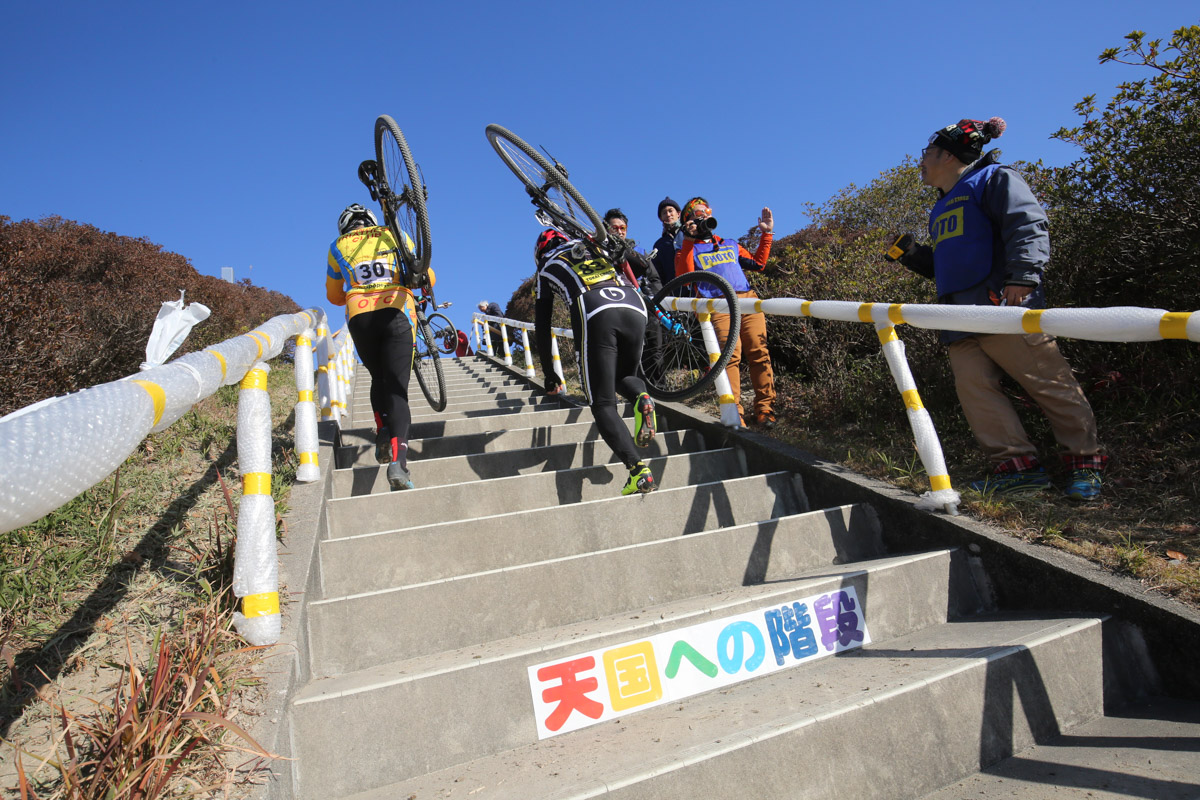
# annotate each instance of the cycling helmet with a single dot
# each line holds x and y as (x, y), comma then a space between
(548, 240)
(353, 213)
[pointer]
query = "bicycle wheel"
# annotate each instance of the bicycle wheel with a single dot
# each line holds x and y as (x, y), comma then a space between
(427, 366)
(675, 362)
(402, 194)
(445, 335)
(547, 186)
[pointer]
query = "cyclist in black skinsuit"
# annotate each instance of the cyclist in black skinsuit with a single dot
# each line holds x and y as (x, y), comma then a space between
(608, 318)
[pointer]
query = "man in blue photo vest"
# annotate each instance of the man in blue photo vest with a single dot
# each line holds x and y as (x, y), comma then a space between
(700, 248)
(990, 246)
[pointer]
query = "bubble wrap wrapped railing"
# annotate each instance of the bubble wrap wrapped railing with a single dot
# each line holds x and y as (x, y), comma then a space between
(1115, 324)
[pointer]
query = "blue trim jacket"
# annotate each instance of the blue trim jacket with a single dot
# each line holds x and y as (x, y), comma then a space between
(988, 231)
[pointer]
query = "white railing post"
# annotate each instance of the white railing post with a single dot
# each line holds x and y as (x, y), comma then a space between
(324, 393)
(529, 373)
(929, 447)
(558, 371)
(504, 342)
(729, 408)
(256, 565)
(307, 444)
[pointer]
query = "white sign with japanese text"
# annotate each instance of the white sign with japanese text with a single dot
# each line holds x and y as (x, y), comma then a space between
(583, 690)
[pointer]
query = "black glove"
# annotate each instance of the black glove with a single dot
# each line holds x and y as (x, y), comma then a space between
(905, 245)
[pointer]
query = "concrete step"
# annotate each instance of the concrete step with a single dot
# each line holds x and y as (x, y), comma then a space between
(377, 561)
(362, 452)
(467, 411)
(1148, 750)
(458, 405)
(563, 500)
(458, 393)
(362, 381)
(489, 407)
(918, 707)
(449, 725)
(364, 416)
(888, 721)
(353, 631)
(371, 478)
(358, 442)
(551, 621)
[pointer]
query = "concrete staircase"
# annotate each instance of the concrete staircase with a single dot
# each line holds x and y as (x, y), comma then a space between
(516, 550)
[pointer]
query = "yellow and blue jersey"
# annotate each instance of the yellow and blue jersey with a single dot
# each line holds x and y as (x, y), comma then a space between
(365, 272)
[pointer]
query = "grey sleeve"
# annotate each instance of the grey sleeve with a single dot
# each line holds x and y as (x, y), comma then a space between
(1022, 223)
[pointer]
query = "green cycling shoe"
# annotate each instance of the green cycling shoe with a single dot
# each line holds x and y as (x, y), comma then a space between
(641, 481)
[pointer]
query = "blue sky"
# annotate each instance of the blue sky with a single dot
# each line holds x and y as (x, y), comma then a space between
(231, 133)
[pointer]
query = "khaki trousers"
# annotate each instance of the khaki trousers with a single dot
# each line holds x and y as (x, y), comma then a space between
(1033, 360)
(751, 348)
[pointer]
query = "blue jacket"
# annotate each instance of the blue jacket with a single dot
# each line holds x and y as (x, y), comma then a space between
(988, 231)
(664, 259)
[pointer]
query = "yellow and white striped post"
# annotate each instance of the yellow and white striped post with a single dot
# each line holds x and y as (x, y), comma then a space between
(529, 373)
(256, 565)
(487, 340)
(555, 358)
(504, 341)
(324, 393)
(929, 447)
(704, 309)
(338, 377)
(306, 411)
(475, 330)
(730, 417)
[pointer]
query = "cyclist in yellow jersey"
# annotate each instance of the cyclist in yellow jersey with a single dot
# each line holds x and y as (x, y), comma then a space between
(366, 275)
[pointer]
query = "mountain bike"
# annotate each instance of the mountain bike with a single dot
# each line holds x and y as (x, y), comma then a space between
(427, 355)
(443, 331)
(681, 367)
(395, 182)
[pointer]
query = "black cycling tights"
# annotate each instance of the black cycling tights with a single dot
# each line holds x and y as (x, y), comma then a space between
(611, 353)
(384, 340)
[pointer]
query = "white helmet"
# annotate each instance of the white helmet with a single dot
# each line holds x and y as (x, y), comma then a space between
(352, 214)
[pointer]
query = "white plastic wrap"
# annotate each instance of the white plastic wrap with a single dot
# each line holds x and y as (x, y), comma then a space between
(504, 342)
(1113, 324)
(929, 447)
(730, 417)
(54, 450)
(181, 384)
(321, 363)
(558, 370)
(52, 454)
(529, 372)
(256, 565)
(307, 444)
(174, 322)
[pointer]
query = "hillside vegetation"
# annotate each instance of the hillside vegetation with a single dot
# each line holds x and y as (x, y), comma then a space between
(77, 305)
(1125, 231)
(120, 672)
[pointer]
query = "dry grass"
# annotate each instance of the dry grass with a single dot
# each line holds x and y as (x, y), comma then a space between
(1146, 522)
(122, 676)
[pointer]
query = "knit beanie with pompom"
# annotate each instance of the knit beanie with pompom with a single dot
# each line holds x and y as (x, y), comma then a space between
(967, 138)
